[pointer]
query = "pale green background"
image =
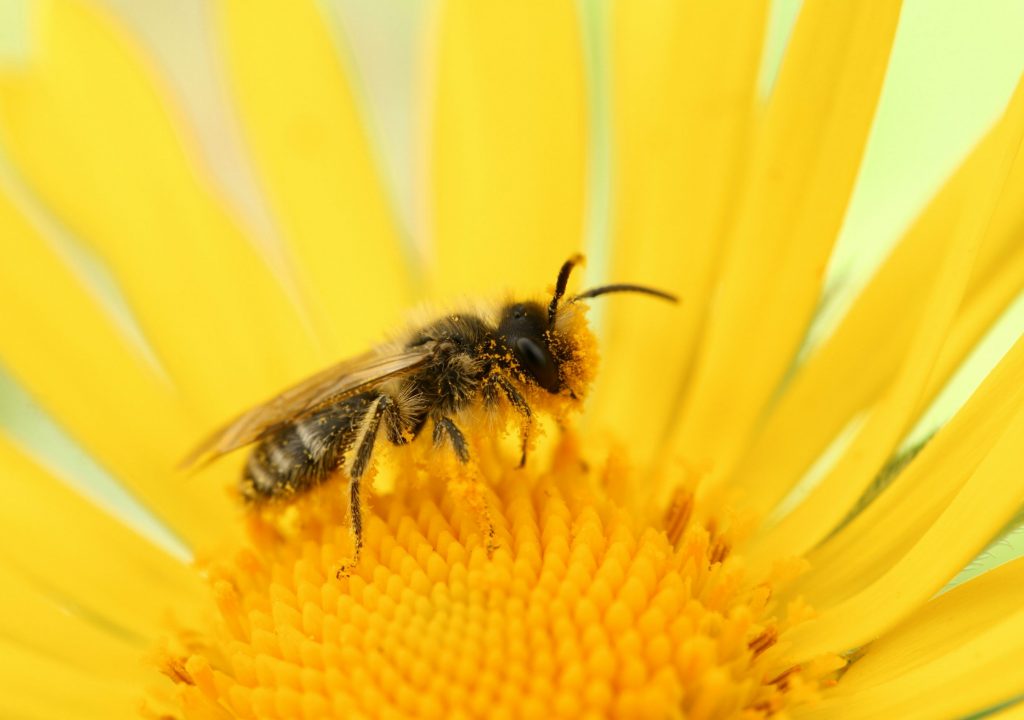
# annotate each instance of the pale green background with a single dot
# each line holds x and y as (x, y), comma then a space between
(953, 68)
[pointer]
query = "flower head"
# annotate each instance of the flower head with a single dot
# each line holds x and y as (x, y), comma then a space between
(736, 527)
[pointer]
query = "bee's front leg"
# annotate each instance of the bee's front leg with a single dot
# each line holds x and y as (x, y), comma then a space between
(519, 404)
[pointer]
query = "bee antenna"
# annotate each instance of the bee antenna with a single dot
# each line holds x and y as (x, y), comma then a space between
(625, 287)
(560, 283)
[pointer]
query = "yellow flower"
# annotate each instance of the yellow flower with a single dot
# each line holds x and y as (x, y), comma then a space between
(655, 562)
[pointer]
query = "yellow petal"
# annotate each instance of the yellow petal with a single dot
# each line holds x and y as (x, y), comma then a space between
(985, 503)
(831, 499)
(33, 685)
(869, 545)
(993, 292)
(87, 128)
(804, 160)
(35, 622)
(840, 379)
(683, 83)
(892, 417)
(506, 143)
(302, 124)
(84, 559)
(76, 362)
(959, 654)
(1013, 711)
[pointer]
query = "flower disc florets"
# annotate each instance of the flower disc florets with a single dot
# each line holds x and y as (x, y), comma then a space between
(572, 608)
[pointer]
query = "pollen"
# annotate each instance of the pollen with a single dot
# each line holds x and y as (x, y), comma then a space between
(512, 593)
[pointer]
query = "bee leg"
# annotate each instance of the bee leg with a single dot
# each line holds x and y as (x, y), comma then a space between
(364, 451)
(468, 490)
(357, 529)
(519, 404)
(444, 426)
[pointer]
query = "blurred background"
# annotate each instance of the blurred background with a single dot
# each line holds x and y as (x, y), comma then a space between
(952, 69)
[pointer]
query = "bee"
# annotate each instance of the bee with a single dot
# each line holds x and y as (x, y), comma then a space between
(431, 376)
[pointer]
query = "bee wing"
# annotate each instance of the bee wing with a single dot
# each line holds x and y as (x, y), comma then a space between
(344, 379)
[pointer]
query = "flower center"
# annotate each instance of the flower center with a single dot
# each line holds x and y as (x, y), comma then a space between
(529, 596)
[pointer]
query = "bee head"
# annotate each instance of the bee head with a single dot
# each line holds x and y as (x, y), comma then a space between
(531, 332)
(524, 327)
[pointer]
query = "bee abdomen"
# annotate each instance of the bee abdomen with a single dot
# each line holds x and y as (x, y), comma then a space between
(303, 453)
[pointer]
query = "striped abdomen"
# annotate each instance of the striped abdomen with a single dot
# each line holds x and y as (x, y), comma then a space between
(302, 454)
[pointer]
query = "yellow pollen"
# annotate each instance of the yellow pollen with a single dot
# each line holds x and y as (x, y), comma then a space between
(572, 608)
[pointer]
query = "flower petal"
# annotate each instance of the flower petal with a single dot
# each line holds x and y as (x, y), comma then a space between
(91, 564)
(869, 545)
(839, 379)
(58, 341)
(506, 143)
(684, 81)
(957, 655)
(804, 161)
(1014, 710)
(985, 503)
(88, 130)
(34, 685)
(33, 622)
(892, 417)
(302, 123)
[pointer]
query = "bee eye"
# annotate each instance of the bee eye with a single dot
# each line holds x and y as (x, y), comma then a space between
(538, 362)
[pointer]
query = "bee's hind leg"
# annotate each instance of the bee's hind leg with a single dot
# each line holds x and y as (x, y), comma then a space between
(364, 451)
(356, 513)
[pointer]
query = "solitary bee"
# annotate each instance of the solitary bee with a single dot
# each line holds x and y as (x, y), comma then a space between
(432, 375)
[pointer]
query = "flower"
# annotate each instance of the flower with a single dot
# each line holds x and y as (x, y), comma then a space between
(671, 574)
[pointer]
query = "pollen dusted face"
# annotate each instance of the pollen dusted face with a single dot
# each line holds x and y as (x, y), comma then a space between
(524, 328)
